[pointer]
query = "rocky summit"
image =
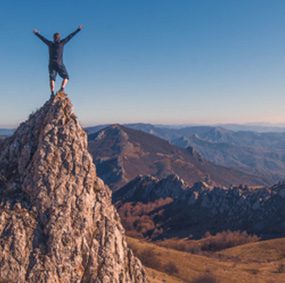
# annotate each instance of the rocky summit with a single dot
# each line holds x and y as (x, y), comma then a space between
(57, 223)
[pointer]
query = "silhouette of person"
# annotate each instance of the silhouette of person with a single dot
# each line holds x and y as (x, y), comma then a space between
(56, 65)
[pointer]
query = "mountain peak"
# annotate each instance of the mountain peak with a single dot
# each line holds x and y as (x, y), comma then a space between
(54, 211)
(116, 126)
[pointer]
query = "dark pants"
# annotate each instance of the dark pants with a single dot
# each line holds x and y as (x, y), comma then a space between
(55, 68)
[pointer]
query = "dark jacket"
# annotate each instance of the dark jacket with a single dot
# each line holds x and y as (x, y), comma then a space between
(56, 47)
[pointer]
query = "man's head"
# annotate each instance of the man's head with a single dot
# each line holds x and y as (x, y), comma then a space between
(56, 36)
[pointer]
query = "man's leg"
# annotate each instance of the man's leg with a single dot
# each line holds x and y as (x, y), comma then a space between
(63, 84)
(52, 85)
(64, 74)
(52, 77)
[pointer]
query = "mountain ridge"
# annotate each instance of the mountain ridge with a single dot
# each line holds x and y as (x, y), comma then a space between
(256, 153)
(129, 153)
(165, 208)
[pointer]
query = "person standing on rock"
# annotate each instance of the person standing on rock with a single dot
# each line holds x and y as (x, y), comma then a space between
(56, 65)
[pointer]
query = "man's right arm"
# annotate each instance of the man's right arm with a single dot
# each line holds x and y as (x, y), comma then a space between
(42, 38)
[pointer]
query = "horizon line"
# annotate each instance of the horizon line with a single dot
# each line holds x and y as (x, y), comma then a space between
(249, 124)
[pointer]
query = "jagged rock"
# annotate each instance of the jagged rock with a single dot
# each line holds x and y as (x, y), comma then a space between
(178, 210)
(57, 223)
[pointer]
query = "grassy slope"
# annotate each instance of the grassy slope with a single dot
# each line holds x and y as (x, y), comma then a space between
(239, 264)
(156, 276)
(264, 251)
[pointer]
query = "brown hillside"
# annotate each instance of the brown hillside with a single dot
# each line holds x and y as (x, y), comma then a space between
(192, 268)
(121, 154)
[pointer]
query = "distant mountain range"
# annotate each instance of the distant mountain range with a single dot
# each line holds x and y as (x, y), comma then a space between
(165, 190)
(252, 152)
(164, 208)
(121, 154)
(261, 154)
(250, 127)
(255, 127)
(6, 132)
(259, 128)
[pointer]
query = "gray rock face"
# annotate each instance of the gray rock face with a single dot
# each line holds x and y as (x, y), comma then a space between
(57, 223)
(177, 210)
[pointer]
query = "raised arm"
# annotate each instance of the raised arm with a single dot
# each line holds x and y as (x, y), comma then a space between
(42, 38)
(65, 40)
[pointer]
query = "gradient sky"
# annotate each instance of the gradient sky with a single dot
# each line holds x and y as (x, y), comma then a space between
(158, 61)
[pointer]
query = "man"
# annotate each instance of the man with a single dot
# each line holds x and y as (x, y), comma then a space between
(56, 65)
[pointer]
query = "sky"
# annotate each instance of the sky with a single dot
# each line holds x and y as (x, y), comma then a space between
(152, 61)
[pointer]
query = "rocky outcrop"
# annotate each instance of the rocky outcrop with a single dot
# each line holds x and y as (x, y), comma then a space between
(148, 188)
(172, 209)
(57, 223)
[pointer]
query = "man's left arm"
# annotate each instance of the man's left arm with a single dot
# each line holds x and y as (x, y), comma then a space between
(65, 40)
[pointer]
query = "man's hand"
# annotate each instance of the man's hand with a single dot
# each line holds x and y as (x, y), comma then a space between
(35, 31)
(81, 27)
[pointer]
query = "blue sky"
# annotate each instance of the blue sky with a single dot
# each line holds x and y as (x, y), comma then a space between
(158, 61)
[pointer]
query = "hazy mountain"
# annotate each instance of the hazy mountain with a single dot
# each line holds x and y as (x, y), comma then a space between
(94, 129)
(57, 222)
(158, 208)
(256, 153)
(255, 127)
(121, 154)
(6, 132)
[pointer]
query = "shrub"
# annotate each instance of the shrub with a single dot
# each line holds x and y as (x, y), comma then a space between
(210, 243)
(149, 259)
(205, 278)
(226, 239)
(253, 271)
(170, 268)
(280, 268)
(182, 245)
